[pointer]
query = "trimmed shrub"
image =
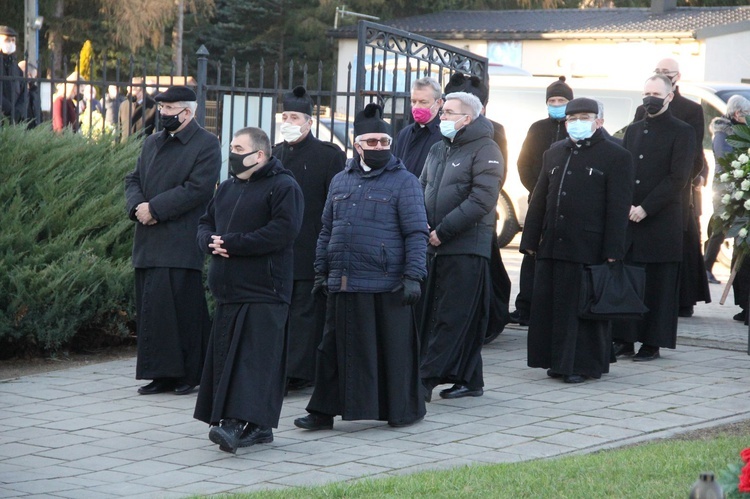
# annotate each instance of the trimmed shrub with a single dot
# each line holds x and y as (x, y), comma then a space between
(65, 241)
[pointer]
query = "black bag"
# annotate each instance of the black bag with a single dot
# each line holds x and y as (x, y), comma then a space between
(612, 290)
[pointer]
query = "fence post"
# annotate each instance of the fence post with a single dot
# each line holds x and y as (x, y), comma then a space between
(200, 113)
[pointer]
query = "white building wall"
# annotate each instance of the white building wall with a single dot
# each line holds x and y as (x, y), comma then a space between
(727, 58)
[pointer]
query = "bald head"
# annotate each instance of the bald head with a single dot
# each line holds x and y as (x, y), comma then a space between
(669, 68)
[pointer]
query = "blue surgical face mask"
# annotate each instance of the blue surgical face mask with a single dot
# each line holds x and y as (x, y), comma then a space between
(580, 130)
(556, 112)
(448, 128)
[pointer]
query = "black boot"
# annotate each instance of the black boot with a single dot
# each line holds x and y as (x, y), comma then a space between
(227, 434)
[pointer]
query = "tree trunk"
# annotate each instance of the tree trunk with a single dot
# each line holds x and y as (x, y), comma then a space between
(177, 38)
(55, 41)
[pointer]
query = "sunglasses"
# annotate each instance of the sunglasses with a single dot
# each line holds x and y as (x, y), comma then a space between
(385, 142)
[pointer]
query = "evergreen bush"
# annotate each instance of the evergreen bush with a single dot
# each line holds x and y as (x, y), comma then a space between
(65, 240)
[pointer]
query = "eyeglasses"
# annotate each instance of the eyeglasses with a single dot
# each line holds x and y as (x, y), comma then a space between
(571, 120)
(385, 142)
(665, 72)
(162, 107)
(450, 114)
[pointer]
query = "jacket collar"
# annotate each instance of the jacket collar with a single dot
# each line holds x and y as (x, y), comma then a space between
(597, 137)
(183, 135)
(353, 166)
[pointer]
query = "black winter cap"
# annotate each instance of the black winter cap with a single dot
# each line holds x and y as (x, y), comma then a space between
(176, 94)
(469, 84)
(298, 100)
(559, 89)
(8, 31)
(582, 105)
(370, 120)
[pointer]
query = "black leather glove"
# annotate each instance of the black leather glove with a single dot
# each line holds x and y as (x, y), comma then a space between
(412, 291)
(320, 285)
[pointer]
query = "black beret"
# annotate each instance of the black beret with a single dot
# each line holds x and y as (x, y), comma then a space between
(176, 94)
(469, 84)
(8, 31)
(370, 120)
(298, 100)
(582, 105)
(559, 89)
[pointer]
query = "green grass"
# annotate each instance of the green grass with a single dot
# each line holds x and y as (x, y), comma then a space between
(662, 469)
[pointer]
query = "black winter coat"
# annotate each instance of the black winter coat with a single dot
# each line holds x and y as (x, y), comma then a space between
(663, 149)
(313, 164)
(580, 205)
(413, 143)
(13, 93)
(258, 220)
(177, 177)
(542, 134)
(462, 180)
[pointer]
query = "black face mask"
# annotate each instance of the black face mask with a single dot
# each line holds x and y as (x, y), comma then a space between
(170, 123)
(236, 165)
(376, 159)
(653, 104)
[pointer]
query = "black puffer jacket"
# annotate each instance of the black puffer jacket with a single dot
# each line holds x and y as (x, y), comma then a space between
(462, 181)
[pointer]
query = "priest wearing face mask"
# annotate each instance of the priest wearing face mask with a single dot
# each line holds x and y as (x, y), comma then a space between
(166, 194)
(663, 150)
(577, 216)
(13, 91)
(461, 178)
(313, 164)
(249, 230)
(370, 261)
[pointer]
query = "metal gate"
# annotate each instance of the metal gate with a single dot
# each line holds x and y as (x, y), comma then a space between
(389, 60)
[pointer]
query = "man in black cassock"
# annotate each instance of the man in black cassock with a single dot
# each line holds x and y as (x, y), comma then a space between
(165, 195)
(370, 259)
(663, 150)
(13, 90)
(249, 228)
(313, 163)
(461, 178)
(414, 141)
(693, 277)
(577, 216)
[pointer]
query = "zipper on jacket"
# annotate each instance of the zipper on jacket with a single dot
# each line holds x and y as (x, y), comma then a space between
(383, 258)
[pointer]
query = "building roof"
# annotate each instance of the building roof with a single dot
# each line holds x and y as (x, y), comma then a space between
(556, 24)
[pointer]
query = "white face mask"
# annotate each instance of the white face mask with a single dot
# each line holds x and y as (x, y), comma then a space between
(9, 47)
(291, 133)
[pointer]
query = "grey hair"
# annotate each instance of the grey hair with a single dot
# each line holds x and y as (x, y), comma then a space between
(600, 111)
(738, 103)
(469, 102)
(192, 105)
(428, 82)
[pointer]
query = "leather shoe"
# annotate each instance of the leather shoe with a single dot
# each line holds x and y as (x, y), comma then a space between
(254, 434)
(685, 312)
(553, 374)
(458, 391)
(314, 422)
(183, 389)
(646, 353)
(404, 424)
(622, 349)
(157, 386)
(741, 317)
(574, 378)
(227, 434)
(712, 278)
(517, 318)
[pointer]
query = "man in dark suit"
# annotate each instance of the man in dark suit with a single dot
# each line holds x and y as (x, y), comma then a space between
(12, 90)
(663, 149)
(313, 163)
(137, 114)
(165, 195)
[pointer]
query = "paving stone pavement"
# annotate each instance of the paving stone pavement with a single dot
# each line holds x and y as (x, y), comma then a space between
(84, 432)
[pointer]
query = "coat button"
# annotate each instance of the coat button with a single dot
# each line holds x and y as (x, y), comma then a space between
(640, 156)
(562, 217)
(570, 172)
(645, 131)
(562, 193)
(575, 152)
(637, 181)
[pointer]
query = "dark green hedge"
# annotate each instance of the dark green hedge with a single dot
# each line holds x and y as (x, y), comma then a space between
(64, 239)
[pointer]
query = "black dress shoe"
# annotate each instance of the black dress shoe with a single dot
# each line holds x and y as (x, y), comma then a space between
(227, 434)
(157, 386)
(458, 391)
(183, 389)
(685, 312)
(314, 422)
(553, 374)
(622, 349)
(646, 353)
(741, 317)
(404, 424)
(574, 378)
(712, 278)
(517, 318)
(254, 434)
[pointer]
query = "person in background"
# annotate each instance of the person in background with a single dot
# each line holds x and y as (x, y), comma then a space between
(165, 195)
(12, 91)
(249, 229)
(137, 115)
(112, 102)
(313, 163)
(413, 142)
(578, 216)
(663, 149)
(541, 135)
(34, 108)
(370, 261)
(64, 107)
